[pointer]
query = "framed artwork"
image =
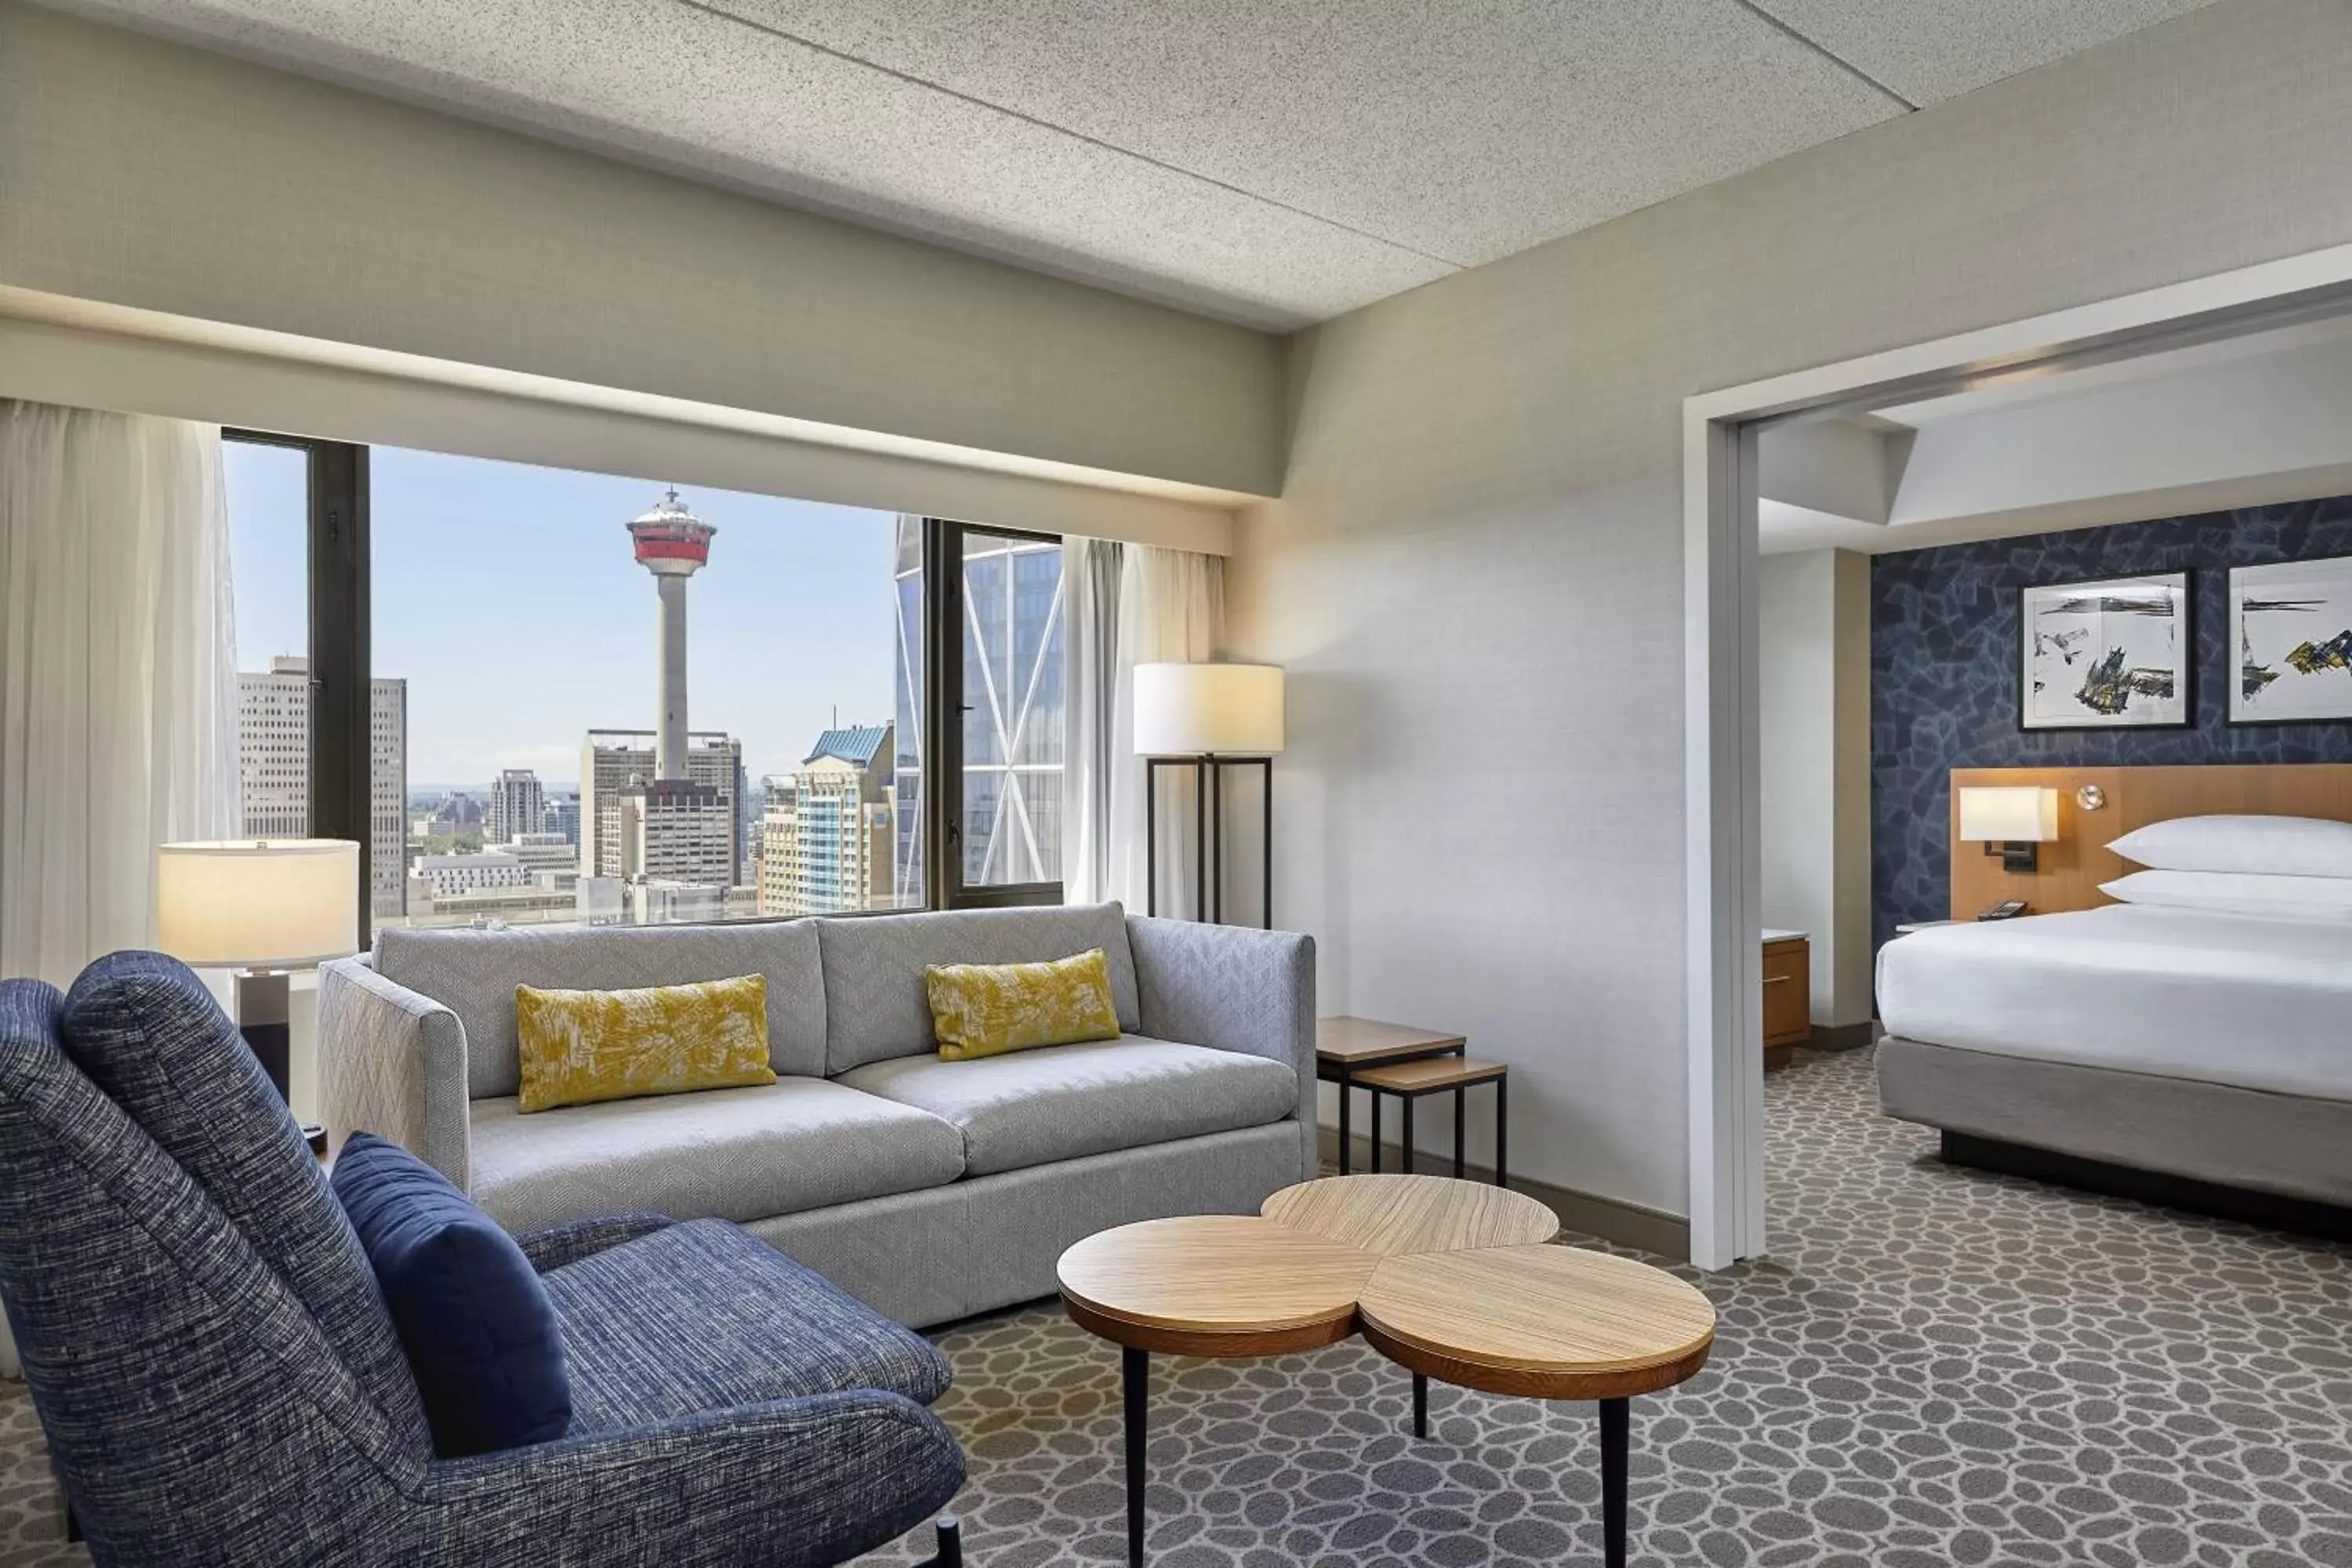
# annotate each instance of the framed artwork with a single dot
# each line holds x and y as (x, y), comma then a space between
(2105, 655)
(2290, 634)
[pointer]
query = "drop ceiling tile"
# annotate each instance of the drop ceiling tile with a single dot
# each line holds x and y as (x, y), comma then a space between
(682, 88)
(1464, 131)
(1929, 50)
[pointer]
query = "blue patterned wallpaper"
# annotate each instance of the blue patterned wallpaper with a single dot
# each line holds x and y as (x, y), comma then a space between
(1943, 673)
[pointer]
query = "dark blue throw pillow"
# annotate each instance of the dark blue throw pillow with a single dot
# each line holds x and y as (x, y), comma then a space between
(479, 1331)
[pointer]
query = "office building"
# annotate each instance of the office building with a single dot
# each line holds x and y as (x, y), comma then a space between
(610, 760)
(560, 816)
(828, 832)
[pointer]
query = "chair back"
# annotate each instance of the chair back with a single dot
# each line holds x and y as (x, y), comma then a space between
(201, 1332)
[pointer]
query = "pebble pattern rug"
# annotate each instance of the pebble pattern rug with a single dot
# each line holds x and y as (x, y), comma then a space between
(1934, 1367)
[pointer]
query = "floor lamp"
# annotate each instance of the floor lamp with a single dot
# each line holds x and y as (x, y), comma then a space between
(262, 906)
(1209, 718)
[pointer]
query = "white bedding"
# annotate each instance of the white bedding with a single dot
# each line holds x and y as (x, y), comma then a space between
(2237, 999)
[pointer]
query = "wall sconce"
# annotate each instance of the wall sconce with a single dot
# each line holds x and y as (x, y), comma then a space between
(2012, 821)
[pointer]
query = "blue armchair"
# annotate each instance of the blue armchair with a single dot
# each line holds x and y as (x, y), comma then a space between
(220, 1383)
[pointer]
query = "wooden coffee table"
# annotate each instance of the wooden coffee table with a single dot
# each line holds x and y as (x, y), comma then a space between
(1448, 1278)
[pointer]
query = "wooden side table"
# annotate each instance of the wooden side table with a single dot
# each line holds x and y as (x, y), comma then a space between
(1410, 1081)
(1345, 1047)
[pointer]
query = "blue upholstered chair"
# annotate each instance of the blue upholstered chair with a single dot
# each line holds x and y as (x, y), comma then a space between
(220, 1382)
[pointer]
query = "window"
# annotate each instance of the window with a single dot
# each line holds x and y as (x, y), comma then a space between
(594, 697)
(298, 538)
(1012, 721)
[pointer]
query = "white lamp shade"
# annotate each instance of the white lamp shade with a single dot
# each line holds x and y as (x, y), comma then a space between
(1208, 710)
(2009, 814)
(271, 903)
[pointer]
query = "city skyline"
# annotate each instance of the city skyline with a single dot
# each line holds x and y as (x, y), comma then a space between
(522, 590)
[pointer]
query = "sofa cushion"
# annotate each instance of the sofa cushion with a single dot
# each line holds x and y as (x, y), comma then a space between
(474, 1316)
(474, 974)
(1060, 1102)
(875, 1001)
(703, 1315)
(735, 1154)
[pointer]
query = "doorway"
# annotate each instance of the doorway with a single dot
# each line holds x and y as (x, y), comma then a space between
(1722, 467)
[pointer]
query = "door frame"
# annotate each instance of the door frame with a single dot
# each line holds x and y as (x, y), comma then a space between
(1723, 871)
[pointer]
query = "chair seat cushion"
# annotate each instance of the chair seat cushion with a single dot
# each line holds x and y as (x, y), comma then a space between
(478, 1324)
(729, 1154)
(703, 1315)
(1062, 1103)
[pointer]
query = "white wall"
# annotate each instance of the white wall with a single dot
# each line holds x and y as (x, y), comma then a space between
(141, 173)
(1475, 570)
(1813, 700)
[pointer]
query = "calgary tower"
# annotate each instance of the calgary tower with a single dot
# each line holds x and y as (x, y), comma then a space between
(673, 544)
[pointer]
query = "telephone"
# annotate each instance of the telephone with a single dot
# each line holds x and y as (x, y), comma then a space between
(2008, 909)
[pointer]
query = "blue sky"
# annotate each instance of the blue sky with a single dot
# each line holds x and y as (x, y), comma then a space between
(507, 597)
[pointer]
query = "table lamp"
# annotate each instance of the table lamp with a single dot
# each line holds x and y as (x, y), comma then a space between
(263, 906)
(2011, 820)
(1207, 717)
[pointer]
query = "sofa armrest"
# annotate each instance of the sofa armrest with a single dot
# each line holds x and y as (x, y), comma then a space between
(393, 1062)
(1236, 989)
(551, 1247)
(793, 1483)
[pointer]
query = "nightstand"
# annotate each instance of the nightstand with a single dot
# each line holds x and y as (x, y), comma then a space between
(1788, 994)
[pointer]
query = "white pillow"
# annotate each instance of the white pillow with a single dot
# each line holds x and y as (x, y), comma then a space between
(2239, 893)
(2270, 846)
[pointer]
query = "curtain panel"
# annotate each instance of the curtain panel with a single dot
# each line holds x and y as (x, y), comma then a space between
(118, 674)
(1129, 605)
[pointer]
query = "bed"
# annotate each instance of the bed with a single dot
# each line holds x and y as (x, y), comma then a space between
(2186, 1056)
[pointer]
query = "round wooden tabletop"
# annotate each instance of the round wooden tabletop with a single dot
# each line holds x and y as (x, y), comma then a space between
(1215, 1285)
(1391, 1215)
(1544, 1323)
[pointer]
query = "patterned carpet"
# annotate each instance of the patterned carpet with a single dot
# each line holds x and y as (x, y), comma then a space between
(1936, 1367)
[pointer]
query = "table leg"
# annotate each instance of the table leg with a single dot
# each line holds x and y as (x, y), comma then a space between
(1419, 1405)
(1372, 1161)
(1345, 1095)
(1616, 1422)
(1406, 1105)
(1502, 1132)
(1135, 1384)
(1461, 1123)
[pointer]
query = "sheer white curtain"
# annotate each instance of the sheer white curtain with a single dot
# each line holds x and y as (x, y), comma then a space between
(1168, 605)
(118, 674)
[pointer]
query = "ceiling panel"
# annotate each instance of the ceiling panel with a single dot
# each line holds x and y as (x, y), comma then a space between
(1272, 162)
(1929, 50)
(1465, 132)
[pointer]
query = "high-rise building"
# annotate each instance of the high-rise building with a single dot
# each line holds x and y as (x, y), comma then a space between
(611, 759)
(517, 803)
(779, 848)
(274, 768)
(560, 816)
(828, 832)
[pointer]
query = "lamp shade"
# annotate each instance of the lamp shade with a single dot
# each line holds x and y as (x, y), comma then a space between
(269, 903)
(1208, 710)
(2009, 814)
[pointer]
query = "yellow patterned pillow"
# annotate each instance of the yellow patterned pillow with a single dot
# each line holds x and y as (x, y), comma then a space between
(987, 1009)
(585, 1046)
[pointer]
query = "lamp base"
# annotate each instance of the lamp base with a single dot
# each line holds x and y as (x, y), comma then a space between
(2016, 855)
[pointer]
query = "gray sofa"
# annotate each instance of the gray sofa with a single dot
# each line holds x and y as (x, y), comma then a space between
(934, 1190)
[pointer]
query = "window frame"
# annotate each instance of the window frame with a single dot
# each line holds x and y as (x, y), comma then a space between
(943, 714)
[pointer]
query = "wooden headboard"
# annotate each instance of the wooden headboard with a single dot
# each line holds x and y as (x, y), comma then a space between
(2072, 869)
